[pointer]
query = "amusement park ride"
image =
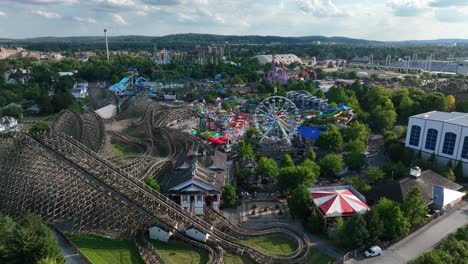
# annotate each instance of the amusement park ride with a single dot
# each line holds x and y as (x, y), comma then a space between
(279, 73)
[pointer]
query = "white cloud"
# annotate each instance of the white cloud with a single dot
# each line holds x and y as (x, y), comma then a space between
(117, 3)
(85, 20)
(3, 14)
(323, 8)
(118, 19)
(66, 2)
(48, 15)
(452, 14)
(141, 13)
(409, 7)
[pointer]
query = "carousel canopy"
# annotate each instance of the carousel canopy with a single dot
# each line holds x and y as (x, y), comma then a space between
(337, 201)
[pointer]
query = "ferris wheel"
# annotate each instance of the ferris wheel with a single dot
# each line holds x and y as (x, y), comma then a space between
(277, 119)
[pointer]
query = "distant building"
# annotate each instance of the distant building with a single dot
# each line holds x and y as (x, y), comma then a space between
(80, 90)
(6, 53)
(84, 55)
(8, 124)
(441, 133)
(286, 59)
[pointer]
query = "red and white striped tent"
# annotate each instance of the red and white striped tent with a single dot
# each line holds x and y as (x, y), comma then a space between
(334, 201)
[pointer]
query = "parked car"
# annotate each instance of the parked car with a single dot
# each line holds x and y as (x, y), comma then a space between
(373, 252)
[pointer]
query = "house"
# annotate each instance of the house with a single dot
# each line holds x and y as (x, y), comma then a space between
(80, 90)
(197, 182)
(429, 182)
(160, 233)
(193, 187)
(8, 124)
(444, 134)
(196, 234)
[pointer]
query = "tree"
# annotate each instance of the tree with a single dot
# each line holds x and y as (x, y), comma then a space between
(375, 226)
(311, 154)
(29, 242)
(414, 207)
(13, 111)
(330, 139)
(300, 201)
(340, 238)
(286, 161)
(245, 150)
(356, 231)
(355, 145)
(152, 183)
(38, 127)
(355, 160)
(449, 174)
(384, 117)
(450, 101)
(358, 182)
(229, 195)
(267, 167)
(356, 131)
(406, 108)
(291, 177)
(374, 174)
(331, 165)
(394, 222)
(314, 223)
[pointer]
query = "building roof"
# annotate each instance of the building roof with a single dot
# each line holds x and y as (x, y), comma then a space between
(196, 178)
(281, 58)
(334, 201)
(443, 196)
(397, 190)
(456, 118)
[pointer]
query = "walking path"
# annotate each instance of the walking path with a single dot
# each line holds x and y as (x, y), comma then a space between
(70, 254)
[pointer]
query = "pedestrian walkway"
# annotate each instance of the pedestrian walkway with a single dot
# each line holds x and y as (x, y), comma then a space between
(70, 254)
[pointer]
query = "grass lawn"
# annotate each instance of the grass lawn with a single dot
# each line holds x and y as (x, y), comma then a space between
(233, 259)
(275, 245)
(179, 253)
(101, 250)
(318, 257)
(123, 150)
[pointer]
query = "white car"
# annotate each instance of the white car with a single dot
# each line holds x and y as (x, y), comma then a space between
(373, 252)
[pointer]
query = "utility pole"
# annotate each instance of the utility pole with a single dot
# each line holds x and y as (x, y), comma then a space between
(107, 44)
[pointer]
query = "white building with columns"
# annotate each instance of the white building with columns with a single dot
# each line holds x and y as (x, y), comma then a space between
(442, 133)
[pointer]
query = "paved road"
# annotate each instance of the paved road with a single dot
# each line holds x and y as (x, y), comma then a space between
(422, 240)
(71, 256)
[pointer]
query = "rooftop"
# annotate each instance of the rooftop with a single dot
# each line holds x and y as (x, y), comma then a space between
(397, 190)
(456, 118)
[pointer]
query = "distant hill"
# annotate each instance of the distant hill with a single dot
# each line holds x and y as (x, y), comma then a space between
(204, 39)
(207, 39)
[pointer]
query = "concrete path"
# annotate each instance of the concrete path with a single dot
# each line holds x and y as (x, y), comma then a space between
(422, 240)
(70, 254)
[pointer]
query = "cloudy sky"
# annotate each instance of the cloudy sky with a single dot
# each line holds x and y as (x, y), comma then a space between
(369, 19)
